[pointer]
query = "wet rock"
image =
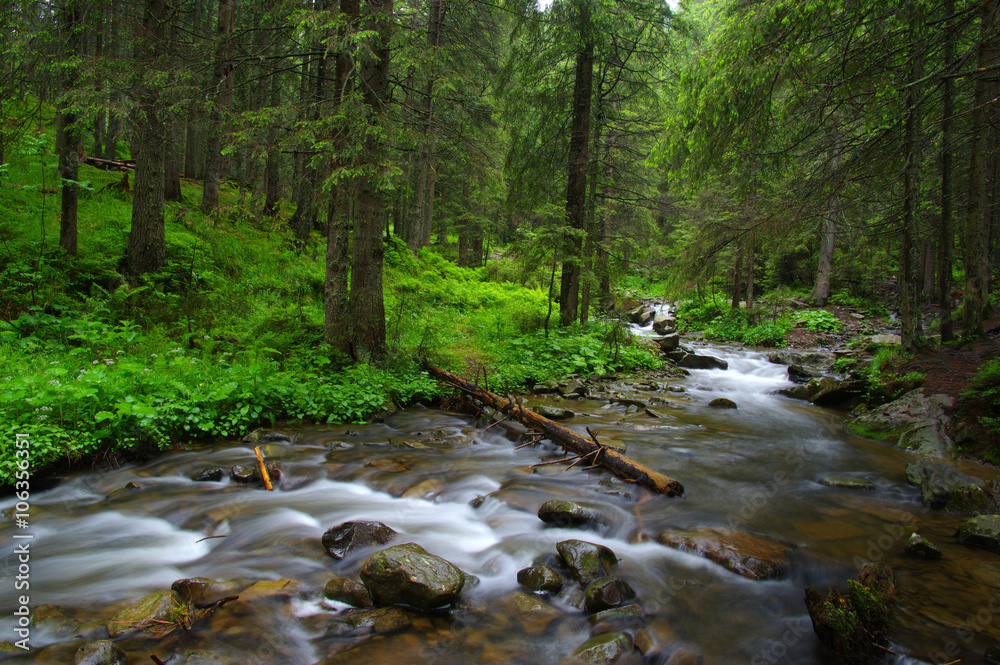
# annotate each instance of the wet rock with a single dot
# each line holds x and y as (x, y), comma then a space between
(804, 392)
(722, 403)
(346, 590)
(566, 514)
(243, 474)
(981, 531)
(380, 620)
(574, 388)
(838, 392)
(540, 579)
(921, 548)
(847, 482)
(424, 489)
(204, 590)
(748, 554)
(667, 343)
(694, 361)
(151, 610)
(605, 593)
(553, 412)
(602, 649)
(103, 652)
(852, 626)
(267, 589)
(8, 648)
(685, 656)
(128, 488)
(535, 614)
(54, 620)
(812, 359)
(800, 374)
(586, 561)
(210, 475)
(260, 434)
(349, 536)
(913, 422)
(664, 324)
(545, 388)
(616, 614)
(410, 575)
(642, 316)
(943, 487)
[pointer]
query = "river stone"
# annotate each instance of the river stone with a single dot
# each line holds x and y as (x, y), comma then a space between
(838, 392)
(847, 482)
(805, 391)
(921, 548)
(642, 316)
(410, 575)
(8, 648)
(981, 531)
(204, 590)
(54, 620)
(210, 475)
(265, 589)
(694, 361)
(154, 607)
(346, 590)
(817, 359)
(574, 388)
(943, 487)
(685, 656)
(102, 652)
(424, 489)
(616, 615)
(914, 422)
(397, 465)
(664, 324)
(748, 554)
(380, 620)
(800, 374)
(540, 579)
(602, 649)
(605, 593)
(243, 474)
(553, 412)
(586, 561)
(549, 387)
(126, 489)
(566, 514)
(894, 340)
(722, 403)
(349, 536)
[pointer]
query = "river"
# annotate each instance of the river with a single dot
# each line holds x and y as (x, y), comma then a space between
(756, 467)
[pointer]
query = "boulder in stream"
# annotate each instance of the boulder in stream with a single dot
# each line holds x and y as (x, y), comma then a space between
(346, 590)
(852, 626)
(586, 561)
(921, 548)
(695, 361)
(847, 482)
(722, 403)
(553, 412)
(602, 649)
(566, 514)
(349, 536)
(981, 531)
(540, 579)
(605, 593)
(101, 652)
(748, 554)
(380, 620)
(408, 574)
(210, 475)
(943, 487)
(664, 324)
(913, 422)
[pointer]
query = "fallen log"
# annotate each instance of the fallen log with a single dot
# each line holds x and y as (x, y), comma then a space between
(109, 164)
(606, 457)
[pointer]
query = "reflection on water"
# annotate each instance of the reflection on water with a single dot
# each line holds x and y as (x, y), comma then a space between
(756, 467)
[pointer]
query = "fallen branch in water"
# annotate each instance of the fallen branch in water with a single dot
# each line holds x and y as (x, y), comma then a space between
(611, 460)
(263, 468)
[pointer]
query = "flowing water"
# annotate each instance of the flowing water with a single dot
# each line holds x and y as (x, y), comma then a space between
(756, 467)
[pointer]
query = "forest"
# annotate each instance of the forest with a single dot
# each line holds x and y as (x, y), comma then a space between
(271, 268)
(277, 192)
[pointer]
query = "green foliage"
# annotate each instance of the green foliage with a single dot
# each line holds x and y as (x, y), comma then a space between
(986, 388)
(737, 326)
(693, 315)
(818, 320)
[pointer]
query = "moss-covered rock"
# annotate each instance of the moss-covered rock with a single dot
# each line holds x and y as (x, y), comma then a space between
(346, 590)
(943, 487)
(605, 593)
(748, 554)
(722, 403)
(602, 649)
(981, 531)
(348, 536)
(586, 561)
(852, 626)
(540, 579)
(847, 482)
(410, 575)
(921, 548)
(379, 620)
(150, 612)
(566, 514)
(102, 652)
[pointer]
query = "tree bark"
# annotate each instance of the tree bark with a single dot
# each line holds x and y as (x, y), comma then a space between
(576, 190)
(946, 233)
(272, 166)
(147, 238)
(367, 306)
(976, 303)
(594, 453)
(222, 94)
(67, 134)
(911, 328)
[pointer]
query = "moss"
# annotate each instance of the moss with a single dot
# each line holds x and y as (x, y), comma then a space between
(857, 428)
(872, 608)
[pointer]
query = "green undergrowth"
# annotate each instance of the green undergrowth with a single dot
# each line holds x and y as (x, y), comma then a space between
(228, 335)
(986, 389)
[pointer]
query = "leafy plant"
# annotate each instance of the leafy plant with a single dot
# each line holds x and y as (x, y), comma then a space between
(818, 320)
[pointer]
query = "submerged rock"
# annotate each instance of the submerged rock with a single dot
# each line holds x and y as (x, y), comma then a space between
(102, 652)
(410, 575)
(155, 609)
(213, 474)
(380, 620)
(847, 482)
(943, 487)
(913, 422)
(602, 649)
(540, 579)
(564, 514)
(126, 489)
(722, 403)
(349, 536)
(920, 547)
(586, 561)
(981, 531)
(748, 554)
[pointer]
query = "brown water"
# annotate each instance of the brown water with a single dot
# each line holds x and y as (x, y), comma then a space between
(756, 467)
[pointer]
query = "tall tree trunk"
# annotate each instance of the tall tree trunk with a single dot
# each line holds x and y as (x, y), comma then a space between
(272, 166)
(976, 222)
(946, 233)
(367, 307)
(172, 160)
(576, 190)
(828, 230)
(100, 120)
(908, 287)
(222, 97)
(147, 238)
(67, 135)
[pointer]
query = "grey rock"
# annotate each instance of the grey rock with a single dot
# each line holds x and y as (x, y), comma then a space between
(981, 531)
(410, 575)
(546, 388)
(607, 592)
(102, 652)
(800, 374)
(943, 487)
(566, 514)
(664, 324)
(586, 561)
(553, 412)
(695, 361)
(913, 422)
(348, 536)
(921, 548)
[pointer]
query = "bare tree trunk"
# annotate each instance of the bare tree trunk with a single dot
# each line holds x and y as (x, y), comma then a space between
(976, 302)
(272, 167)
(576, 190)
(222, 94)
(946, 237)
(67, 134)
(909, 297)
